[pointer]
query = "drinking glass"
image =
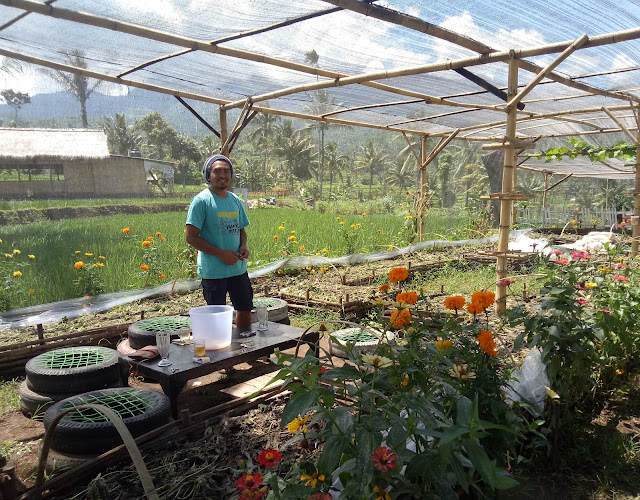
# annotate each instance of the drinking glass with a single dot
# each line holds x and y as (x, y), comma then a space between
(263, 317)
(163, 340)
(199, 348)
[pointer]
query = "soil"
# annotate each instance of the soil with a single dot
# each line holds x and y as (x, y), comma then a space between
(238, 438)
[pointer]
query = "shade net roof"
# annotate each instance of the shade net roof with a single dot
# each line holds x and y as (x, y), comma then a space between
(402, 65)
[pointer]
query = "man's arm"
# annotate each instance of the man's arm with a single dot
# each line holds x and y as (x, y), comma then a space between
(193, 238)
(244, 251)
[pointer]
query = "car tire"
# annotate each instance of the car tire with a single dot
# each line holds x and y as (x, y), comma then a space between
(143, 333)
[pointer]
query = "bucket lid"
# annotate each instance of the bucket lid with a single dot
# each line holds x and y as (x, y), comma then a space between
(210, 310)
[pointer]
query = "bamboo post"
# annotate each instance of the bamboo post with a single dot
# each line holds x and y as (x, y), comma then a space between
(224, 132)
(635, 228)
(544, 198)
(423, 184)
(507, 187)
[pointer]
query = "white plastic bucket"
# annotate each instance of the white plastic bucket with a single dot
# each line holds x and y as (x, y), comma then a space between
(212, 324)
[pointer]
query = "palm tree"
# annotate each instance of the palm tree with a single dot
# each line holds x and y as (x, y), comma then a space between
(296, 150)
(263, 135)
(402, 173)
(321, 103)
(371, 159)
(121, 138)
(335, 163)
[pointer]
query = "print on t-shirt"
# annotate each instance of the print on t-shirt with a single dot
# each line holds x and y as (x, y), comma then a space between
(228, 223)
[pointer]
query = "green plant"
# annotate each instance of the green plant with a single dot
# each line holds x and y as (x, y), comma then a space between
(13, 290)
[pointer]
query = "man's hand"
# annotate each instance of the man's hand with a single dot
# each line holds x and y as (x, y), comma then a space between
(229, 257)
(244, 253)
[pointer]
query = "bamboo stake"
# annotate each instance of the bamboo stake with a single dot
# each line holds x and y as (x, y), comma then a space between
(423, 185)
(507, 187)
(633, 138)
(635, 228)
(224, 138)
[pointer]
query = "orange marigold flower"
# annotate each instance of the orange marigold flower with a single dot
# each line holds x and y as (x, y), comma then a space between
(443, 345)
(485, 339)
(161, 276)
(144, 267)
(475, 308)
(483, 299)
(146, 243)
(384, 287)
(126, 230)
(163, 239)
(158, 233)
(398, 274)
(150, 238)
(407, 297)
(79, 265)
(400, 318)
(454, 303)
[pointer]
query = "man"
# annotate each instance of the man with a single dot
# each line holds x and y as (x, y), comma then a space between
(215, 227)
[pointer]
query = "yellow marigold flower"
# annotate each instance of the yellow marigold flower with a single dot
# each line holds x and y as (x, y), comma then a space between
(8, 255)
(318, 254)
(79, 265)
(77, 251)
(313, 479)
(400, 318)
(126, 230)
(337, 218)
(455, 302)
(358, 224)
(298, 423)
(266, 253)
(324, 269)
(158, 233)
(16, 251)
(398, 274)
(342, 223)
(590, 284)
(461, 372)
(31, 256)
(313, 271)
(301, 248)
(605, 270)
(275, 236)
(32, 291)
(405, 380)
(293, 232)
(376, 361)
(324, 250)
(161, 276)
(0, 240)
(101, 257)
(551, 394)
(280, 228)
(97, 264)
(619, 372)
(364, 213)
(488, 345)
(407, 297)
(443, 345)
(144, 267)
(89, 254)
(17, 274)
(146, 243)
(352, 226)
(408, 217)
(620, 259)
(291, 238)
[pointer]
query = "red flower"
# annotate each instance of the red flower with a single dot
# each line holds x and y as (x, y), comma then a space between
(619, 278)
(383, 459)
(581, 302)
(562, 261)
(269, 458)
(252, 494)
(249, 481)
(318, 495)
(505, 282)
(557, 252)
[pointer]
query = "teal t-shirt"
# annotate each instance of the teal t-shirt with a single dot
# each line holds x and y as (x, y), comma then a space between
(220, 221)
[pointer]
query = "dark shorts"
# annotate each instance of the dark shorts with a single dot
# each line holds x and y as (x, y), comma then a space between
(238, 287)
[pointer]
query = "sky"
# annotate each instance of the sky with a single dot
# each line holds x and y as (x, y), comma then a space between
(382, 45)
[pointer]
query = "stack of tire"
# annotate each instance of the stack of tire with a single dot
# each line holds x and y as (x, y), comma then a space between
(361, 340)
(61, 373)
(143, 333)
(277, 309)
(82, 434)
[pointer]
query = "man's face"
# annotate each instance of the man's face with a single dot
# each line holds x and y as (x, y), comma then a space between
(220, 175)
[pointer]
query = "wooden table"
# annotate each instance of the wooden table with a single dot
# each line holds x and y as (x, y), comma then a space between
(173, 378)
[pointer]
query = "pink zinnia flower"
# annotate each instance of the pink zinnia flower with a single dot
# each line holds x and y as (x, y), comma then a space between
(581, 302)
(557, 252)
(619, 266)
(619, 278)
(579, 255)
(562, 261)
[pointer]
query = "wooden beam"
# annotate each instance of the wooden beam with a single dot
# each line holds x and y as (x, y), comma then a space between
(635, 228)
(548, 69)
(634, 139)
(197, 115)
(485, 85)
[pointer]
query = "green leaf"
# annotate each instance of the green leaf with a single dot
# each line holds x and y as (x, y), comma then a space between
(503, 481)
(331, 452)
(463, 411)
(343, 420)
(480, 461)
(298, 406)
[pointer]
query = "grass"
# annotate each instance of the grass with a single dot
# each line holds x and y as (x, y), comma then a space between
(58, 245)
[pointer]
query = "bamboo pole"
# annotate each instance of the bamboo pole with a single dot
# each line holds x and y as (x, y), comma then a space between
(507, 188)
(544, 198)
(635, 228)
(224, 133)
(633, 138)
(423, 184)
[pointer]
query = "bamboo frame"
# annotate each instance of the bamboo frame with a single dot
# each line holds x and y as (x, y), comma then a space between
(635, 228)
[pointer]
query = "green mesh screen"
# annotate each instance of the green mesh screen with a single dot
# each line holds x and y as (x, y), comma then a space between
(355, 335)
(164, 323)
(267, 301)
(71, 358)
(126, 403)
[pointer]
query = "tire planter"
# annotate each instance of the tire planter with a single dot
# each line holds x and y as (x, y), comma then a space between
(60, 462)
(34, 404)
(278, 309)
(72, 370)
(143, 333)
(87, 431)
(363, 340)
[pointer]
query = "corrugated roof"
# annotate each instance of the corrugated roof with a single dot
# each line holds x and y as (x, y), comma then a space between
(25, 143)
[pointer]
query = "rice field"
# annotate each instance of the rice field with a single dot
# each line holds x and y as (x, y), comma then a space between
(52, 261)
